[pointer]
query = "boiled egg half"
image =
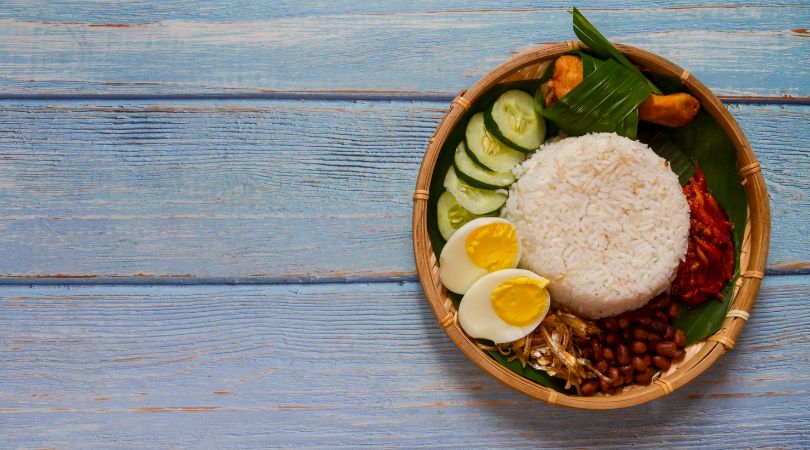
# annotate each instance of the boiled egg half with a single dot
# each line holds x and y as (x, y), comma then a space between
(504, 306)
(481, 246)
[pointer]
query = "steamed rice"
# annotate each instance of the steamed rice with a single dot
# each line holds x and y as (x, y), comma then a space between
(604, 218)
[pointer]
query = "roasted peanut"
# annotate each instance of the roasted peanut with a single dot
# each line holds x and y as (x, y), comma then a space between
(638, 347)
(622, 354)
(626, 370)
(661, 362)
(601, 366)
(673, 311)
(640, 334)
(615, 377)
(638, 364)
(645, 377)
(666, 348)
(627, 334)
(610, 324)
(589, 388)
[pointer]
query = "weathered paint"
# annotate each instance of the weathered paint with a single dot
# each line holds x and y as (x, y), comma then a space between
(121, 13)
(735, 51)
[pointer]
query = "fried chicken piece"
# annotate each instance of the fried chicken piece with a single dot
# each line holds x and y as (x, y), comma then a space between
(673, 110)
(567, 74)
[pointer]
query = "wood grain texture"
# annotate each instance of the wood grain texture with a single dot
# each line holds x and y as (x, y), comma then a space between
(216, 49)
(280, 192)
(332, 364)
(264, 190)
(128, 12)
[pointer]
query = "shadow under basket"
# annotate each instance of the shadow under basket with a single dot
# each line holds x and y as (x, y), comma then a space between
(701, 355)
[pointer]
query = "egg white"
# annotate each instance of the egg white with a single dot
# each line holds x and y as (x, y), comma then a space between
(456, 271)
(478, 318)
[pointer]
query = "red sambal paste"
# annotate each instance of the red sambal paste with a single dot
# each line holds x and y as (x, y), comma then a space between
(709, 262)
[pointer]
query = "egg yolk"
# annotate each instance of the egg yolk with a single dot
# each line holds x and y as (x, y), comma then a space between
(493, 246)
(519, 301)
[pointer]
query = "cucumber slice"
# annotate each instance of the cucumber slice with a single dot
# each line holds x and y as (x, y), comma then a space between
(513, 120)
(474, 200)
(450, 215)
(486, 150)
(475, 176)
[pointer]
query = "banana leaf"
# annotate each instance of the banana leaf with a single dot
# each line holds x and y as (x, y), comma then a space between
(589, 63)
(601, 47)
(678, 161)
(539, 105)
(629, 125)
(705, 142)
(706, 319)
(539, 102)
(602, 102)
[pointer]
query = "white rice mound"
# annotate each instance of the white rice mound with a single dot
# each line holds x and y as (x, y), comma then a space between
(604, 218)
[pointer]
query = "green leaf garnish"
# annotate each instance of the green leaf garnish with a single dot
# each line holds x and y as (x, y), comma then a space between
(589, 63)
(601, 47)
(601, 102)
(629, 126)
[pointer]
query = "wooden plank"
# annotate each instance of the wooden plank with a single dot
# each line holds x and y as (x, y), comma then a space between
(345, 365)
(127, 12)
(216, 49)
(264, 190)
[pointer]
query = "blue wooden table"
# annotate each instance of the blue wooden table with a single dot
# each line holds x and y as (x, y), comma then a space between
(205, 232)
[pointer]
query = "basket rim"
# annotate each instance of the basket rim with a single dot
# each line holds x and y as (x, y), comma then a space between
(752, 260)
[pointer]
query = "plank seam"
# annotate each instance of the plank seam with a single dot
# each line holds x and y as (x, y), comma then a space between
(369, 96)
(234, 281)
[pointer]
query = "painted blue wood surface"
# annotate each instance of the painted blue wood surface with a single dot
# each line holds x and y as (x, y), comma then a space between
(732, 50)
(126, 158)
(116, 11)
(322, 365)
(261, 189)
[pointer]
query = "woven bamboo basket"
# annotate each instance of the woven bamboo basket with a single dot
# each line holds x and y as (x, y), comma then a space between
(754, 252)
